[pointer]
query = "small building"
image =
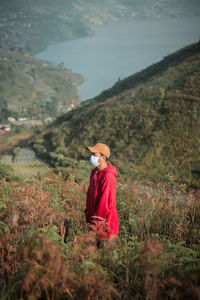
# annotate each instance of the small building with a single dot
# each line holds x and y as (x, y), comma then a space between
(71, 105)
(5, 129)
(5, 126)
(28, 125)
(48, 120)
(4, 132)
(22, 119)
(11, 119)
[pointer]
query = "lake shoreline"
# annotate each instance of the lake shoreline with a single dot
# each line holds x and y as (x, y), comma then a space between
(121, 49)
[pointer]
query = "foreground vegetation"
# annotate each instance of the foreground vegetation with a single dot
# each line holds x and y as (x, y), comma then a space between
(48, 252)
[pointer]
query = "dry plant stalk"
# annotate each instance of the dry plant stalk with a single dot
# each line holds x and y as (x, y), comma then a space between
(46, 270)
(149, 257)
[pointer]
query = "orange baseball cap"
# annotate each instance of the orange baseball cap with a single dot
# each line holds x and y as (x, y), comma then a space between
(100, 148)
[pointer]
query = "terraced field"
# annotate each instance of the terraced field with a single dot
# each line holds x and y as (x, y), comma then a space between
(31, 168)
(26, 163)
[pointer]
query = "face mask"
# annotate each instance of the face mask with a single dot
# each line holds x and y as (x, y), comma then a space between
(94, 160)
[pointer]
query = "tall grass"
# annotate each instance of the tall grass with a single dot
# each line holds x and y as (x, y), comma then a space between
(48, 252)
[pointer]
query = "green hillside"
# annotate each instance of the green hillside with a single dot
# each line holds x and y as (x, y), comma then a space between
(150, 120)
(30, 26)
(34, 88)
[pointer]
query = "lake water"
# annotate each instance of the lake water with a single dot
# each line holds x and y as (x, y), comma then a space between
(122, 49)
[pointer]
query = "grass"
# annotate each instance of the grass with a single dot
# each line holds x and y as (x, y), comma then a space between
(48, 252)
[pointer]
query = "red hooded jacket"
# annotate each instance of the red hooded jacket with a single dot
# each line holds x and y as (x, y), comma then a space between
(101, 201)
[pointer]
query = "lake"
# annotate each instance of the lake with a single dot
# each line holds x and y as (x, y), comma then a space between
(122, 49)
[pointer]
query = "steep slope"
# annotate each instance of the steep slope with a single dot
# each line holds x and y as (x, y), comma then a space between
(34, 87)
(151, 121)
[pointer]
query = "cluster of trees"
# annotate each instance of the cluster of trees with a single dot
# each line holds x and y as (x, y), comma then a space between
(3, 109)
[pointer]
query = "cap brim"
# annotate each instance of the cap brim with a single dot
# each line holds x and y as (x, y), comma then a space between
(92, 149)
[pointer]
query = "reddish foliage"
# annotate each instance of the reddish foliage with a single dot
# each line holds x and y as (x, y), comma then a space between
(27, 205)
(46, 270)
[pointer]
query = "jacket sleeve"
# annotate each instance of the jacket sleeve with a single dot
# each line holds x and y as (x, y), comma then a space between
(107, 198)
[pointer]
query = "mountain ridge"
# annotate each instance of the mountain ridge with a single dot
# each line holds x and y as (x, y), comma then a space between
(131, 81)
(29, 26)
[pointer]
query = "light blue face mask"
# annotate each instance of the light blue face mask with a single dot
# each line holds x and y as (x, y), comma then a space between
(94, 160)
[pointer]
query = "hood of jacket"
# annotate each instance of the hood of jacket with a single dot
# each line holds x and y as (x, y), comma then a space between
(110, 169)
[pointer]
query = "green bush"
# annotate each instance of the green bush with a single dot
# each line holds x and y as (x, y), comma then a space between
(7, 172)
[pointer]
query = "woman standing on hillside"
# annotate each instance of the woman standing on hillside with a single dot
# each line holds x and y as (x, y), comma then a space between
(101, 210)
